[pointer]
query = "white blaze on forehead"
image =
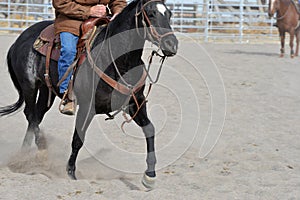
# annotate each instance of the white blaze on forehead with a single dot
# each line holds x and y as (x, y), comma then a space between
(272, 4)
(161, 8)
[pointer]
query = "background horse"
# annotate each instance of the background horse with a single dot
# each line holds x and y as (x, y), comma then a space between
(287, 16)
(117, 50)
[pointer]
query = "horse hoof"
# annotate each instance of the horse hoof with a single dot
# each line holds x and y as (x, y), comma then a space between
(41, 143)
(292, 56)
(71, 173)
(148, 182)
(42, 155)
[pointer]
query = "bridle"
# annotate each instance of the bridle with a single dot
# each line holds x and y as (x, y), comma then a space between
(153, 33)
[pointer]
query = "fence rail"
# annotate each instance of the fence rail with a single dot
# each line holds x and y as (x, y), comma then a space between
(209, 20)
(16, 15)
(238, 20)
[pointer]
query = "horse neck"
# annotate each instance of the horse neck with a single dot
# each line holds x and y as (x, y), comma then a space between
(284, 7)
(128, 40)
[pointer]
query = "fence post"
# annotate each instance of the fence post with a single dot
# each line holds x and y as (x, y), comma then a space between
(181, 17)
(241, 20)
(206, 3)
(8, 13)
(27, 14)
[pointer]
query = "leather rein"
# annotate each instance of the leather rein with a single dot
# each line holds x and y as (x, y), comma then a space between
(126, 88)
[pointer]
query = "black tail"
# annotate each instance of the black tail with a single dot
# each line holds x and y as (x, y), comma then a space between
(14, 107)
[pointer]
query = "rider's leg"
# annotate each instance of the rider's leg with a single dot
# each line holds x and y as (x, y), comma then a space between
(67, 55)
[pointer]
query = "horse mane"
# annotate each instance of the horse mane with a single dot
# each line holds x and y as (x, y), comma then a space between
(123, 15)
(296, 6)
(118, 22)
(287, 2)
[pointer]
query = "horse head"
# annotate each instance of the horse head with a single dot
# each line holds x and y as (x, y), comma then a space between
(273, 7)
(154, 18)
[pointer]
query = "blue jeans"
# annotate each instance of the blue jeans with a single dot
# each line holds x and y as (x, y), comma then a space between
(67, 55)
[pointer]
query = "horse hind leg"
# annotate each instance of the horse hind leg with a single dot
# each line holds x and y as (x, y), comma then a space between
(40, 109)
(282, 38)
(29, 111)
(34, 113)
(297, 42)
(292, 36)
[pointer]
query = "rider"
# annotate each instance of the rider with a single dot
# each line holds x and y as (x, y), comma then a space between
(69, 14)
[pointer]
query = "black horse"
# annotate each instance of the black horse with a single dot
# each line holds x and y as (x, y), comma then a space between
(117, 51)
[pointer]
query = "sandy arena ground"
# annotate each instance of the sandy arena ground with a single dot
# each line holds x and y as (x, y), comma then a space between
(228, 127)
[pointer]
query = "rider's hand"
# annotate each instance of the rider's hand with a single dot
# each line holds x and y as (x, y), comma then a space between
(98, 11)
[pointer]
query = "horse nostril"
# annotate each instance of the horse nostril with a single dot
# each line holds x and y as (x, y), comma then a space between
(170, 45)
(269, 13)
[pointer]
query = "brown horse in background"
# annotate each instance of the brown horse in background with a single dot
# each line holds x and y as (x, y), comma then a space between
(287, 17)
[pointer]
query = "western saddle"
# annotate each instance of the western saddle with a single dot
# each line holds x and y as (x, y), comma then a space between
(48, 44)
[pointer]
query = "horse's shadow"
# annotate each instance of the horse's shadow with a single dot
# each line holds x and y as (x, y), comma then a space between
(254, 53)
(92, 168)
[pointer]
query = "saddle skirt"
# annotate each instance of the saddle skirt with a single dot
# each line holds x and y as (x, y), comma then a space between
(47, 39)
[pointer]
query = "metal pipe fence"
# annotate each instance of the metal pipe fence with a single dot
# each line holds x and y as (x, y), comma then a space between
(17, 15)
(235, 20)
(208, 20)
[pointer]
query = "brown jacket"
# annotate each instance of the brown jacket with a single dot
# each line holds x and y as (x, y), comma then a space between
(70, 13)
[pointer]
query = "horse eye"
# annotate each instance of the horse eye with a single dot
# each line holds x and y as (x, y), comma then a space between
(152, 13)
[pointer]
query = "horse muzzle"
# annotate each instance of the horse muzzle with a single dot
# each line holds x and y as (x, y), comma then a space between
(270, 13)
(169, 45)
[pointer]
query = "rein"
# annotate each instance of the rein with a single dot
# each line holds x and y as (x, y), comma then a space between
(126, 88)
(139, 106)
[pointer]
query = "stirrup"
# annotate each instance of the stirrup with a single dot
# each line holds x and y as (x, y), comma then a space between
(67, 106)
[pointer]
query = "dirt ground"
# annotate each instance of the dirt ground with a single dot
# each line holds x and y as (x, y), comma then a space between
(227, 124)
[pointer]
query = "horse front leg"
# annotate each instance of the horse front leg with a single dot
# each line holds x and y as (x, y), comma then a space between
(83, 120)
(292, 36)
(149, 175)
(282, 37)
(143, 121)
